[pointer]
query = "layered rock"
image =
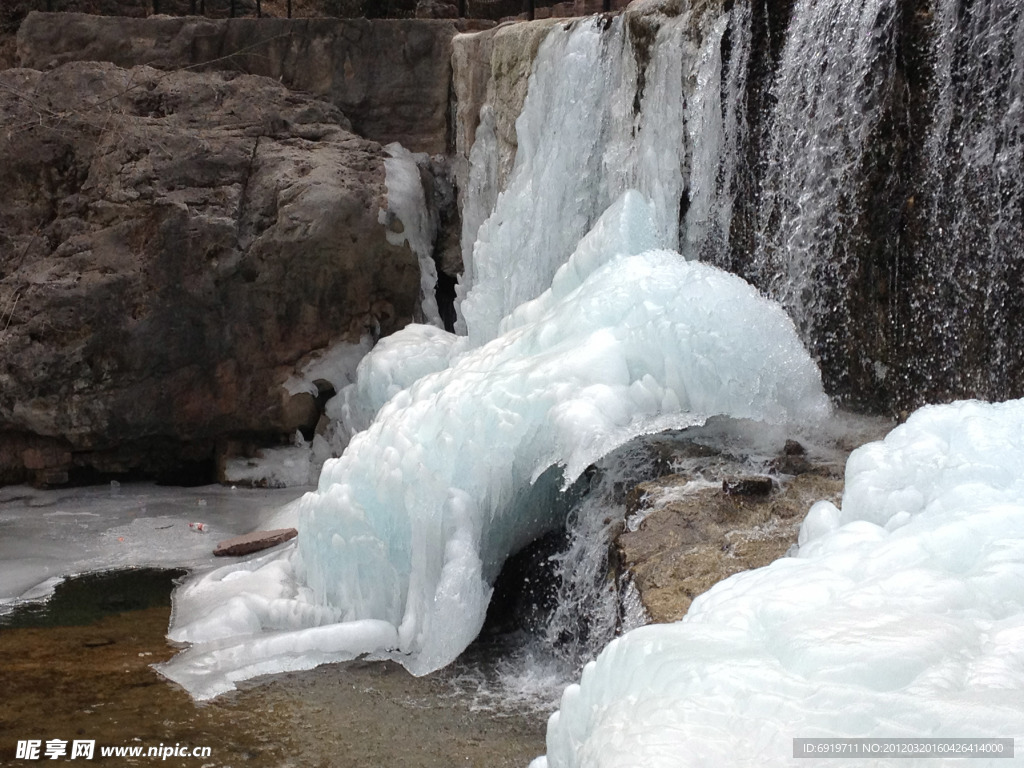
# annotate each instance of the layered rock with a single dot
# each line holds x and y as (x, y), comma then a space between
(173, 245)
(390, 77)
(695, 533)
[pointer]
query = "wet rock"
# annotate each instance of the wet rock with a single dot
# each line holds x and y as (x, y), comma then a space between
(693, 535)
(254, 542)
(790, 465)
(747, 486)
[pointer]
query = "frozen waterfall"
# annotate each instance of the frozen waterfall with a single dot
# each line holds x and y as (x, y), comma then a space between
(607, 110)
(398, 547)
(586, 329)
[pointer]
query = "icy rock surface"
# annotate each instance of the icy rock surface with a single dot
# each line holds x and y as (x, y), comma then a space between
(901, 616)
(336, 364)
(410, 221)
(282, 467)
(398, 548)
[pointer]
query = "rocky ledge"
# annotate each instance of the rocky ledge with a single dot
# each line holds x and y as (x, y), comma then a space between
(688, 530)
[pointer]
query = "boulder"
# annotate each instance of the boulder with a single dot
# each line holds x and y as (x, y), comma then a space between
(694, 534)
(173, 246)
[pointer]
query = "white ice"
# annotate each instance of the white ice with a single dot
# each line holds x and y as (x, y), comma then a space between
(288, 466)
(581, 145)
(336, 364)
(901, 616)
(459, 443)
(397, 550)
(46, 536)
(394, 364)
(410, 221)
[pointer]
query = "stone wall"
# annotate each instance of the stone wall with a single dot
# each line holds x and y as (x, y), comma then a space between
(489, 10)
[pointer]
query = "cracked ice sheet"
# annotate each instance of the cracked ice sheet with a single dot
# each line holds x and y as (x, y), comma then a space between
(46, 536)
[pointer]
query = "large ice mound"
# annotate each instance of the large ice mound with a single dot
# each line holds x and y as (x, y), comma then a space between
(399, 546)
(901, 616)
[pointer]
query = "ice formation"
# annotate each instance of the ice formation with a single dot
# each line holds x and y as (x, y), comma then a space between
(410, 221)
(394, 364)
(397, 549)
(291, 466)
(298, 464)
(901, 616)
(592, 127)
(585, 329)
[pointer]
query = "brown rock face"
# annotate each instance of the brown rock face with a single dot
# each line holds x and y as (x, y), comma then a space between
(172, 246)
(695, 538)
(389, 77)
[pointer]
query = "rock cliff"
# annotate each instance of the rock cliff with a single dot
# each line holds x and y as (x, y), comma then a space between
(173, 245)
(389, 77)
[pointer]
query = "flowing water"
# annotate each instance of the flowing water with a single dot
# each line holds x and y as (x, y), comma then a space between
(79, 667)
(828, 94)
(974, 153)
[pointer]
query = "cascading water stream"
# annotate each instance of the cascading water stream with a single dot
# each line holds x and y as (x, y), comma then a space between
(590, 610)
(973, 249)
(889, 200)
(901, 614)
(828, 94)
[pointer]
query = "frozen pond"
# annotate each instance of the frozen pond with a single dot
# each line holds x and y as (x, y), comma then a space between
(46, 536)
